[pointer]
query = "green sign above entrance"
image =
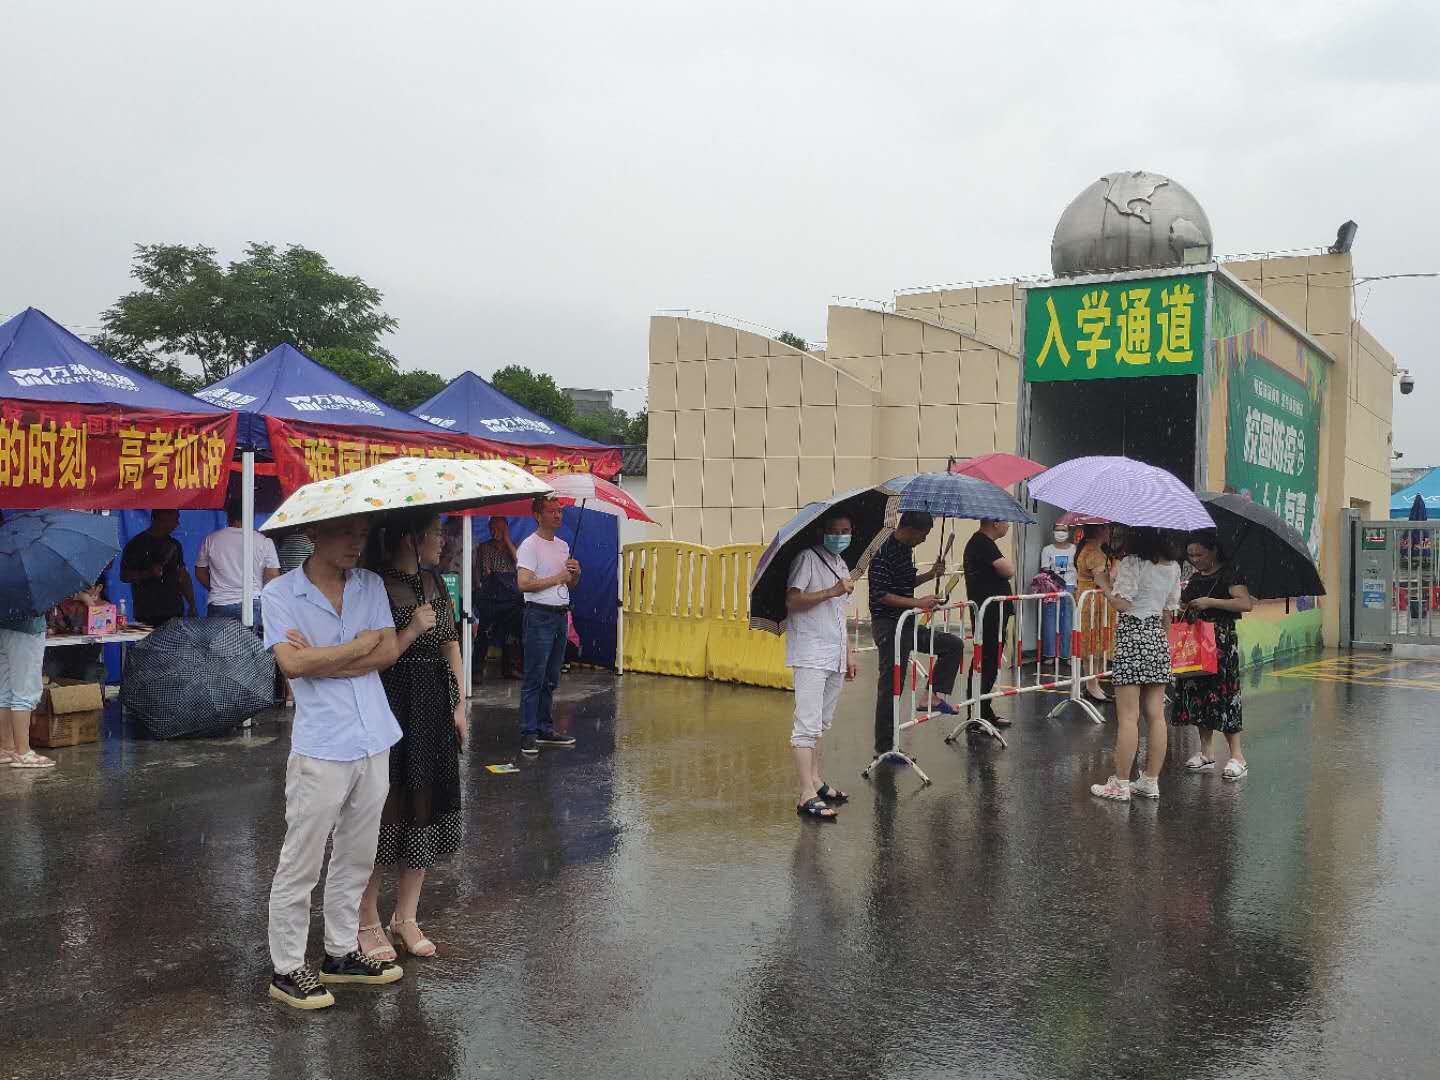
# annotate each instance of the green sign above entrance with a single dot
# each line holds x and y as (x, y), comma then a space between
(1116, 329)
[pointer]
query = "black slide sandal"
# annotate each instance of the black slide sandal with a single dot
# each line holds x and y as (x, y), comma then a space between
(831, 795)
(815, 808)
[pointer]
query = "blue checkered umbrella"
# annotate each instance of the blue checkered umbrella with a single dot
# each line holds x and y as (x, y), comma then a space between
(952, 495)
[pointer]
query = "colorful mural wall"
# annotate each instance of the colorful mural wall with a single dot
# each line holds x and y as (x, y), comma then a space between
(1267, 440)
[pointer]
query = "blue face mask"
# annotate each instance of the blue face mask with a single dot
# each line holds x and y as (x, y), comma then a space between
(835, 543)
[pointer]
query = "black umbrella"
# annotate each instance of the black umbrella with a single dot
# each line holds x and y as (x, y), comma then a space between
(197, 677)
(865, 507)
(1271, 557)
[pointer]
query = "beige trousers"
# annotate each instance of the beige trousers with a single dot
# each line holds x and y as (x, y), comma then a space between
(343, 798)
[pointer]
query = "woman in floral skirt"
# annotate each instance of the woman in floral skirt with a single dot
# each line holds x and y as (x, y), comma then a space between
(1217, 595)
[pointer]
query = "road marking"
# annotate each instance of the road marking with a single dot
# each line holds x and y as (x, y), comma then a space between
(1366, 671)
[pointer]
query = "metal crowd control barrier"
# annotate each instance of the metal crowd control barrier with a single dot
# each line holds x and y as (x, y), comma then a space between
(921, 664)
(1095, 627)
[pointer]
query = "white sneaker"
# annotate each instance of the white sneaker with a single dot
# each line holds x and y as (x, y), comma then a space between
(1201, 763)
(1235, 769)
(1115, 789)
(1147, 786)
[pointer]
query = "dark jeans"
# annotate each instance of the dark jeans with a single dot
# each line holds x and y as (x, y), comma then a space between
(495, 623)
(232, 611)
(949, 650)
(992, 634)
(544, 640)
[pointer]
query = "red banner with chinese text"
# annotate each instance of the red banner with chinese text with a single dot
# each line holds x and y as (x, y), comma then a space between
(305, 452)
(102, 457)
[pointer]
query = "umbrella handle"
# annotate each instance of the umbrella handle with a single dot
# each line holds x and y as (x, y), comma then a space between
(578, 526)
(946, 545)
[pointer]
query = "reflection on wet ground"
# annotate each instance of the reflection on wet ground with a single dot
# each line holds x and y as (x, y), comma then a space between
(649, 905)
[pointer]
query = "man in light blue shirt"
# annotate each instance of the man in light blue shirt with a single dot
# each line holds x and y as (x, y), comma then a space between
(330, 628)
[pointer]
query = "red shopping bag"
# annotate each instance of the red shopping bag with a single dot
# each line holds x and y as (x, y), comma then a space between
(1192, 649)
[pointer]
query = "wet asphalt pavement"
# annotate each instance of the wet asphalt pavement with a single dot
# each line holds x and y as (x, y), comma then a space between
(649, 905)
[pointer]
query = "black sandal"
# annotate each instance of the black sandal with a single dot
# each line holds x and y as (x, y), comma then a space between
(816, 808)
(831, 795)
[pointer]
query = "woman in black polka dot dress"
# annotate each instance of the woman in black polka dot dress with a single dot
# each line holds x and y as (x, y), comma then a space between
(420, 824)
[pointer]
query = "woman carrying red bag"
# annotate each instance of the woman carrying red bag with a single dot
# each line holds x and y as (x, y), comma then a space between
(1214, 594)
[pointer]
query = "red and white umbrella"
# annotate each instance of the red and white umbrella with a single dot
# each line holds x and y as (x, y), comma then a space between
(585, 490)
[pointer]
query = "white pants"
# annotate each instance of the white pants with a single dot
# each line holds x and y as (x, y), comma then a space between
(817, 693)
(321, 797)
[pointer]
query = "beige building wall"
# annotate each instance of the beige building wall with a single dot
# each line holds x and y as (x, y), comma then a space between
(745, 430)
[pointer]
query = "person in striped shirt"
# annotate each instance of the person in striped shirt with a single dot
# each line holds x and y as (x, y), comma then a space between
(892, 590)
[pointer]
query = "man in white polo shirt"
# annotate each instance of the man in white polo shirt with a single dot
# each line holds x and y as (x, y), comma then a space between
(330, 628)
(220, 568)
(545, 572)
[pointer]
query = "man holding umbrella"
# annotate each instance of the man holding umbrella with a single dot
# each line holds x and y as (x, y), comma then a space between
(892, 590)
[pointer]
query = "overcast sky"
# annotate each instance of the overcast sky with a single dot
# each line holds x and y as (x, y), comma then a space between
(529, 182)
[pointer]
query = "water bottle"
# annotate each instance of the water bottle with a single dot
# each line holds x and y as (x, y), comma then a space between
(120, 620)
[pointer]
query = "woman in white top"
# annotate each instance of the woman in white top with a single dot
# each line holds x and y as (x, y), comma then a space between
(817, 650)
(1146, 586)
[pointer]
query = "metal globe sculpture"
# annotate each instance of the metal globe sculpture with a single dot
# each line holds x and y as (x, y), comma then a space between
(1130, 221)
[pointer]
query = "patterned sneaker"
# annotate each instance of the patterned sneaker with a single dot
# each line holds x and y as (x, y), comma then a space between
(356, 967)
(300, 989)
(1235, 769)
(1147, 786)
(1115, 789)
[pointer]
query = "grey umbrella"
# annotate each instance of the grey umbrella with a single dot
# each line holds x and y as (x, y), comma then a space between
(197, 677)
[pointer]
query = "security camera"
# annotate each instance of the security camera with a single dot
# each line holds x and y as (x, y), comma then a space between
(1407, 382)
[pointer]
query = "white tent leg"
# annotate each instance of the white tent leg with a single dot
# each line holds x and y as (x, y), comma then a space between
(247, 528)
(467, 639)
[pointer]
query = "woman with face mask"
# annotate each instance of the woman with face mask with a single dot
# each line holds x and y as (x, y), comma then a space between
(817, 650)
(1057, 620)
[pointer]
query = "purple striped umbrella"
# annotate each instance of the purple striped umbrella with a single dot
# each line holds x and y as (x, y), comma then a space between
(1124, 490)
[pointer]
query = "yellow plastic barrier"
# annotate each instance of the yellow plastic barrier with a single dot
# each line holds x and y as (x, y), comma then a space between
(664, 595)
(736, 653)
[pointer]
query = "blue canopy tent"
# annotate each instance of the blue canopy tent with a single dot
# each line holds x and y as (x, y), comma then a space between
(40, 360)
(287, 384)
(1427, 487)
(471, 406)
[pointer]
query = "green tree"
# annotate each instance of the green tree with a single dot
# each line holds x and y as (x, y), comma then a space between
(537, 392)
(610, 426)
(795, 341)
(191, 308)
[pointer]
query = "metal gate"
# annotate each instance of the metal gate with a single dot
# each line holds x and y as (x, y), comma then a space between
(1396, 592)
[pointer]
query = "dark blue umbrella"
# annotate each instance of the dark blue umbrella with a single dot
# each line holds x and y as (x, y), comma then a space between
(47, 555)
(1418, 511)
(954, 495)
(865, 507)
